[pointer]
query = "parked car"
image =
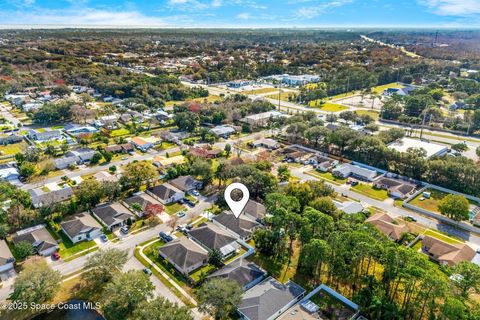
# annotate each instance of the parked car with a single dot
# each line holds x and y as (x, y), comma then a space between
(125, 158)
(181, 214)
(189, 203)
(55, 255)
(195, 193)
(411, 218)
(103, 238)
(181, 201)
(124, 229)
(165, 237)
(354, 183)
(147, 271)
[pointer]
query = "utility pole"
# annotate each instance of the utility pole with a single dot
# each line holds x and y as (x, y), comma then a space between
(423, 123)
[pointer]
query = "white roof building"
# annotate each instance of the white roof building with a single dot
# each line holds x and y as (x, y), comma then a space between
(432, 149)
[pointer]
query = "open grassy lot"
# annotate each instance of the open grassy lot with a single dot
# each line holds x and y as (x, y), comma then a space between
(173, 208)
(11, 149)
(210, 98)
(327, 106)
(430, 204)
(326, 176)
(374, 114)
(380, 89)
(261, 91)
(119, 132)
(370, 191)
(284, 96)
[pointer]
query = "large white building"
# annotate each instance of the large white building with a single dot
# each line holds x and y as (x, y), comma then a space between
(432, 149)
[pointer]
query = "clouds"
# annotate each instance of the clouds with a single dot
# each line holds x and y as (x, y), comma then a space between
(317, 8)
(459, 8)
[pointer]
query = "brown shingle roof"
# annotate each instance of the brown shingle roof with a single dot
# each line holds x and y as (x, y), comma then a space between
(447, 252)
(383, 222)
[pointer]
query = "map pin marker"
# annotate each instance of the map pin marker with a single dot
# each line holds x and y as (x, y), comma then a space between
(237, 206)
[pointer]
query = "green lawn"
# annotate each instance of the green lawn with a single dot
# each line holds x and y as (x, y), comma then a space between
(380, 89)
(261, 90)
(173, 208)
(67, 248)
(284, 96)
(11, 149)
(374, 114)
(442, 237)
(119, 132)
(370, 191)
(326, 176)
(430, 204)
(327, 106)
(201, 273)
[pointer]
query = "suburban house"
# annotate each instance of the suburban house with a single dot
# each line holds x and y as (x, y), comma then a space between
(204, 152)
(184, 254)
(77, 129)
(406, 91)
(266, 143)
(8, 172)
(212, 237)
(346, 170)
(141, 144)
(262, 119)
(119, 148)
(142, 199)
(45, 198)
(166, 193)
(161, 161)
(349, 207)
(186, 183)
(45, 135)
(387, 225)
(322, 164)
(269, 299)
(9, 138)
(7, 260)
(84, 155)
(247, 274)
(112, 215)
(457, 105)
(223, 131)
(242, 227)
(65, 162)
(322, 303)
(39, 237)
(103, 176)
(447, 253)
(254, 210)
(81, 226)
(396, 188)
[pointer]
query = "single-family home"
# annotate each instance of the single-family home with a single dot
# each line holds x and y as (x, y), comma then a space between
(45, 198)
(84, 155)
(388, 226)
(242, 227)
(103, 176)
(247, 274)
(262, 119)
(204, 152)
(138, 202)
(457, 105)
(186, 183)
(212, 237)
(349, 207)
(8, 172)
(166, 193)
(254, 210)
(77, 129)
(266, 143)
(112, 215)
(406, 91)
(10, 138)
(39, 237)
(119, 148)
(184, 254)
(163, 162)
(322, 303)
(396, 188)
(65, 162)
(323, 164)
(7, 260)
(222, 131)
(80, 227)
(141, 144)
(269, 299)
(346, 170)
(447, 253)
(46, 135)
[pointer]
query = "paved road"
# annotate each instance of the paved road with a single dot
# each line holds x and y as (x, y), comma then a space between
(8, 116)
(388, 206)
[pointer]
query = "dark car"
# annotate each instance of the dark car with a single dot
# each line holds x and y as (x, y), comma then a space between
(165, 237)
(189, 203)
(147, 271)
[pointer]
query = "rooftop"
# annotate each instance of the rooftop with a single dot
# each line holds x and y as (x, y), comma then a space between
(432, 149)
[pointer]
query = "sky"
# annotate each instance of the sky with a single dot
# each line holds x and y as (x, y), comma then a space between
(242, 13)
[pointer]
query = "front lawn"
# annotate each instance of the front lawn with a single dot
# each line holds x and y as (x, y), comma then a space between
(430, 204)
(370, 191)
(67, 248)
(11, 149)
(442, 237)
(328, 176)
(173, 208)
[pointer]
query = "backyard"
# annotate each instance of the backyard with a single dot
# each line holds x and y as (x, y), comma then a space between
(12, 149)
(370, 191)
(430, 204)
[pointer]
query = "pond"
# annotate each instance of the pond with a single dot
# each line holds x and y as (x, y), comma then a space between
(72, 310)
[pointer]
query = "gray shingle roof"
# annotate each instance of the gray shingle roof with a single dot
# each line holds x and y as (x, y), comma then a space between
(6, 255)
(211, 236)
(254, 209)
(243, 226)
(37, 236)
(267, 298)
(164, 191)
(184, 252)
(240, 270)
(79, 223)
(112, 214)
(185, 183)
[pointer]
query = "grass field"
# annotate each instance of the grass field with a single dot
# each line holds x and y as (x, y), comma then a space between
(374, 114)
(327, 106)
(67, 248)
(261, 91)
(119, 132)
(430, 204)
(283, 96)
(11, 149)
(369, 191)
(380, 89)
